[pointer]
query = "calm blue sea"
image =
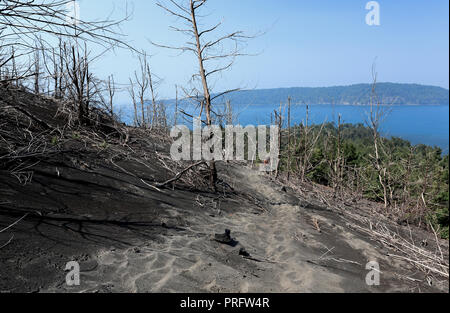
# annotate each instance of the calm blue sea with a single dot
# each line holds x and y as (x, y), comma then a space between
(427, 124)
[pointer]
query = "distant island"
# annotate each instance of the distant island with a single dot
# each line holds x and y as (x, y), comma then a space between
(359, 94)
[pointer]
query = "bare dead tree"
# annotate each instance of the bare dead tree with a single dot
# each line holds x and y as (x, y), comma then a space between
(154, 110)
(143, 92)
(279, 123)
(175, 117)
(13, 68)
(25, 22)
(56, 74)
(338, 166)
(376, 116)
(289, 152)
(78, 80)
(333, 155)
(50, 69)
(60, 68)
(4, 60)
(131, 91)
(305, 139)
(141, 82)
(111, 89)
(37, 71)
(213, 52)
(306, 145)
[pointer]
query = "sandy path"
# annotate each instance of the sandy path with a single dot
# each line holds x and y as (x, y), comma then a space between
(289, 254)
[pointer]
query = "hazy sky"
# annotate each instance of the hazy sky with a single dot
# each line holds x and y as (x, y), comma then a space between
(306, 42)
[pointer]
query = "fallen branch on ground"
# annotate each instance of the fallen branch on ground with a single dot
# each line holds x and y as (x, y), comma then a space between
(180, 174)
(151, 186)
(8, 242)
(420, 265)
(13, 224)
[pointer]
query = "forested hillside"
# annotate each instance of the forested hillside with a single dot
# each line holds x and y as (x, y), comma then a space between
(388, 93)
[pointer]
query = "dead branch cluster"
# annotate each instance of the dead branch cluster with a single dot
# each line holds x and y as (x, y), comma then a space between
(44, 49)
(149, 112)
(29, 58)
(22, 22)
(428, 256)
(418, 254)
(22, 144)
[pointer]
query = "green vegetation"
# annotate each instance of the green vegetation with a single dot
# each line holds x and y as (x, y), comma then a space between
(414, 180)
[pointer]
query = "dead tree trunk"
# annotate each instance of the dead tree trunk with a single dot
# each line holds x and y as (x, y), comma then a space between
(279, 122)
(375, 118)
(37, 69)
(206, 51)
(289, 140)
(206, 93)
(111, 93)
(175, 117)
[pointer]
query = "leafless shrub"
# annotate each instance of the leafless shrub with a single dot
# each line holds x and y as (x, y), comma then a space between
(429, 262)
(149, 112)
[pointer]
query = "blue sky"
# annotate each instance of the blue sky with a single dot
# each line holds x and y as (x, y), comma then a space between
(306, 42)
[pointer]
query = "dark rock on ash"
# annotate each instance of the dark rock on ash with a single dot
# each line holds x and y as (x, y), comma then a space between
(225, 238)
(244, 253)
